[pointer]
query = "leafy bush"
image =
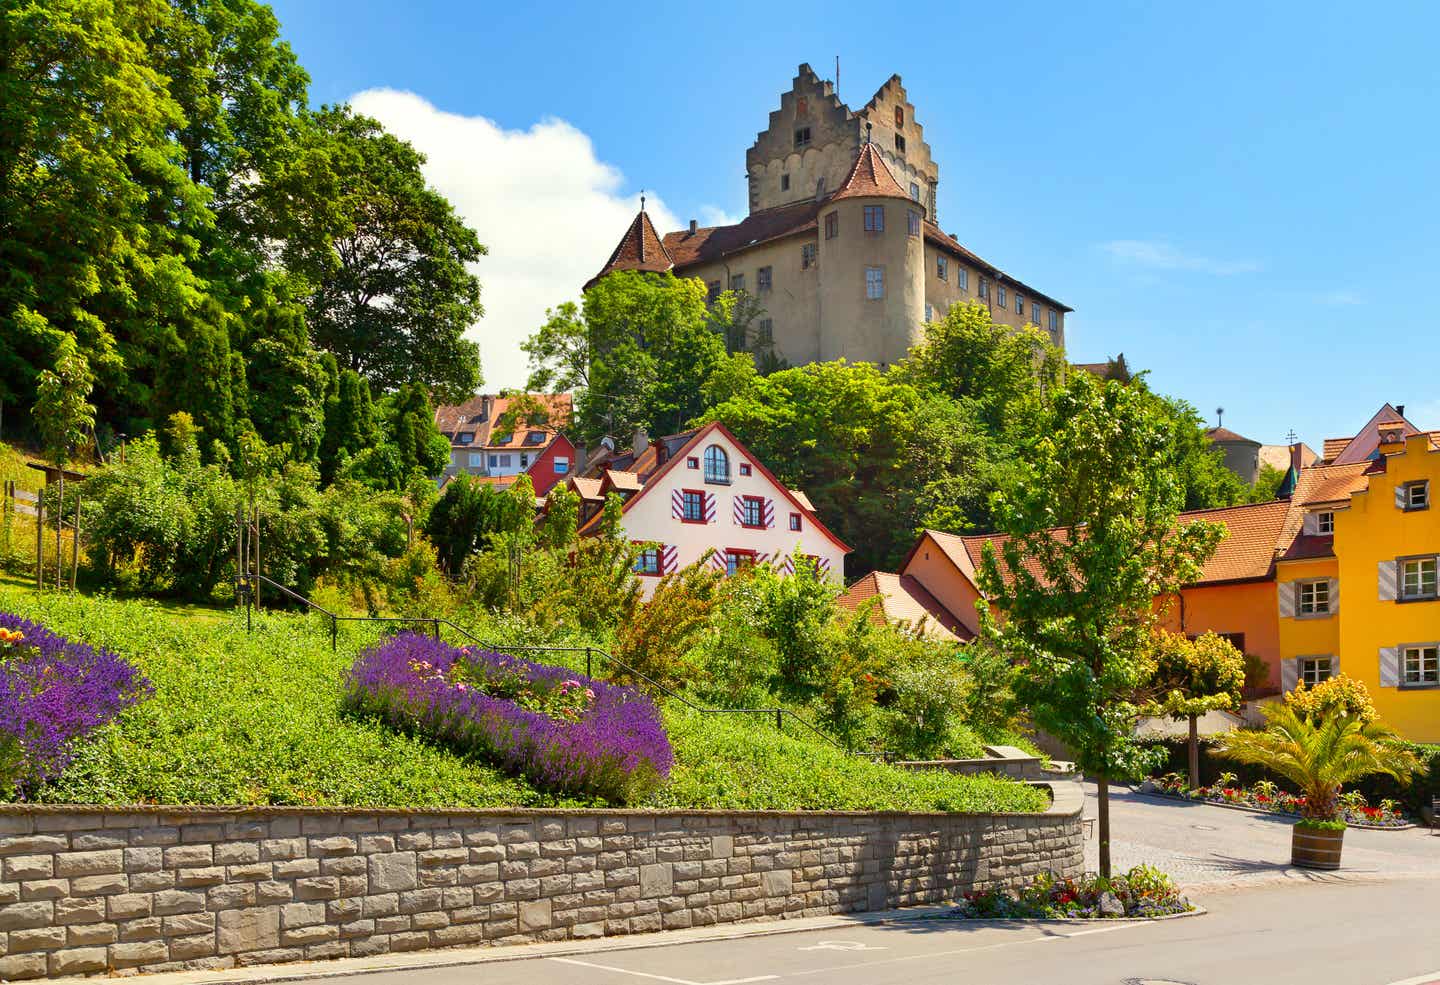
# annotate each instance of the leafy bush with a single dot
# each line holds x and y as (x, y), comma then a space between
(659, 635)
(519, 714)
(1144, 891)
(53, 694)
(1335, 695)
(929, 699)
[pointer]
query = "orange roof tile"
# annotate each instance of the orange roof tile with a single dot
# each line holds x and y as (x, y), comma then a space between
(1225, 434)
(471, 417)
(639, 249)
(1247, 552)
(587, 488)
(904, 600)
(869, 177)
(714, 242)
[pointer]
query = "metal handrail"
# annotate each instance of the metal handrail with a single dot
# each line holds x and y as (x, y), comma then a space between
(780, 714)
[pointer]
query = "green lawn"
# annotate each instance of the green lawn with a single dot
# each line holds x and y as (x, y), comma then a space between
(255, 719)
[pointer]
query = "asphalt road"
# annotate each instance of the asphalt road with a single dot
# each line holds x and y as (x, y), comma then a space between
(1275, 934)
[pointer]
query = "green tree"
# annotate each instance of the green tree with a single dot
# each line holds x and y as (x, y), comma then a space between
(194, 372)
(63, 412)
(410, 420)
(349, 423)
(1091, 541)
(385, 256)
(1191, 677)
(286, 383)
(636, 353)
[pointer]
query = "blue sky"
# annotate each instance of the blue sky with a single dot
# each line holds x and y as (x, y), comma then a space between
(1242, 198)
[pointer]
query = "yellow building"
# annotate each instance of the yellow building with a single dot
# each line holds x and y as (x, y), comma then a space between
(1357, 580)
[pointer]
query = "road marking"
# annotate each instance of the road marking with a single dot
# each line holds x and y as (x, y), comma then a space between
(663, 978)
(844, 946)
(985, 947)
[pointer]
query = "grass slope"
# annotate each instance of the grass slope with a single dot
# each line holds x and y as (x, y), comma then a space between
(255, 719)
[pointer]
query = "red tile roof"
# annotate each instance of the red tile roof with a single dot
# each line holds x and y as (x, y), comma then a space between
(639, 249)
(1248, 550)
(1225, 434)
(869, 177)
(904, 600)
(714, 242)
(471, 417)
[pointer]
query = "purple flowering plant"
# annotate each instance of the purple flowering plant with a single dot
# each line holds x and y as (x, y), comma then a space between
(562, 731)
(53, 693)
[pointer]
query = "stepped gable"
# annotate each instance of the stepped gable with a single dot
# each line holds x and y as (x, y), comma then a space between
(870, 177)
(641, 248)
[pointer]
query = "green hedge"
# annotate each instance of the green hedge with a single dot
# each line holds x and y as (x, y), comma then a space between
(1416, 795)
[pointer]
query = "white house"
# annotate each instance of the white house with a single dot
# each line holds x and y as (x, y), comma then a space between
(700, 491)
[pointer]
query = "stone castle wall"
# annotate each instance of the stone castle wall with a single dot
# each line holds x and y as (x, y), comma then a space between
(86, 891)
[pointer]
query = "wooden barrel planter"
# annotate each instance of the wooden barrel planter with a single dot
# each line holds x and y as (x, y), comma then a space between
(1312, 848)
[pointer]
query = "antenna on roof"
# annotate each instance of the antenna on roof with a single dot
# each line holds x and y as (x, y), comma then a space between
(642, 200)
(1219, 416)
(837, 75)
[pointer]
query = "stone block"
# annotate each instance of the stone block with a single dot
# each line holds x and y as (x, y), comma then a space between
(38, 939)
(137, 953)
(23, 916)
(237, 853)
(90, 933)
(297, 868)
(250, 872)
(190, 948)
(44, 889)
(34, 844)
(151, 882)
(334, 845)
(172, 901)
(89, 863)
(73, 910)
(232, 896)
(278, 955)
(314, 934)
(77, 961)
(302, 914)
(248, 930)
(458, 935)
(19, 868)
(322, 887)
(393, 871)
(280, 849)
(189, 856)
(107, 885)
(16, 967)
(144, 929)
(188, 924)
(155, 835)
(386, 905)
(273, 892)
(777, 882)
(430, 920)
(419, 900)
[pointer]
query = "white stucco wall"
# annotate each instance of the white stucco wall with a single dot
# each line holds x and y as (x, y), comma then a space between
(650, 518)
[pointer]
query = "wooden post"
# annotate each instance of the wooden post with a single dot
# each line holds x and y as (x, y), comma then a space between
(75, 545)
(40, 543)
(59, 529)
(240, 581)
(257, 557)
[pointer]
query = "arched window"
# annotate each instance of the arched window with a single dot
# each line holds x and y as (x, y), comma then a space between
(717, 464)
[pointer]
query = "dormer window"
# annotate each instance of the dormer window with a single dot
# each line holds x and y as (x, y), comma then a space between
(466, 437)
(1325, 523)
(717, 465)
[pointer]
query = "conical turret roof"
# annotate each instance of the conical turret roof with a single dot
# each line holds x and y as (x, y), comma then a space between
(639, 249)
(869, 178)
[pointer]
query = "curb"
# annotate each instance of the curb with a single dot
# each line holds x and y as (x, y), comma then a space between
(1196, 910)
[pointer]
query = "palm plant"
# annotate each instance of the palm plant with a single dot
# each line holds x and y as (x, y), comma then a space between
(1321, 754)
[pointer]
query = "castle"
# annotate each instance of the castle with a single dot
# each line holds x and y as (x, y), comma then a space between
(841, 249)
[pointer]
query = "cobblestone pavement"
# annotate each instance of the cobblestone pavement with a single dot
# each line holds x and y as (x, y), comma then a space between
(1201, 845)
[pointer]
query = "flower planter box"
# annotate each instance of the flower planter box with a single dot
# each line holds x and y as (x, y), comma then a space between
(1313, 848)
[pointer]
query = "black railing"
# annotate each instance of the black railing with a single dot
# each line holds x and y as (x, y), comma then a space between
(591, 654)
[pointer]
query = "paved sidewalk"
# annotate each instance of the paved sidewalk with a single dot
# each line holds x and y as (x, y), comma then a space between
(1201, 845)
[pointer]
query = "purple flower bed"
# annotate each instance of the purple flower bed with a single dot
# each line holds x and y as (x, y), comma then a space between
(53, 693)
(562, 731)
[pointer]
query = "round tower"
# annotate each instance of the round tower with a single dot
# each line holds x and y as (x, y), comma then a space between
(872, 266)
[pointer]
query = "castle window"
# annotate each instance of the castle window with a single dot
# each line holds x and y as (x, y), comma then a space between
(912, 221)
(764, 278)
(784, 182)
(807, 256)
(942, 267)
(962, 278)
(874, 283)
(984, 288)
(899, 117)
(712, 291)
(1019, 305)
(914, 191)
(1000, 296)
(899, 144)
(1035, 312)
(765, 332)
(832, 225)
(874, 218)
(737, 283)
(1054, 320)
(802, 137)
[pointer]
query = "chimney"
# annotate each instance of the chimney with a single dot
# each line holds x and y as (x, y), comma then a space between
(693, 226)
(1400, 409)
(641, 442)
(487, 403)
(581, 460)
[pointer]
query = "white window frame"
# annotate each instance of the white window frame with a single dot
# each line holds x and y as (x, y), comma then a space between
(942, 266)
(1019, 306)
(912, 220)
(1001, 296)
(874, 283)
(914, 191)
(477, 460)
(1325, 523)
(504, 461)
(962, 278)
(1420, 501)
(1314, 670)
(764, 279)
(1426, 663)
(873, 217)
(1420, 566)
(1054, 320)
(562, 464)
(1319, 602)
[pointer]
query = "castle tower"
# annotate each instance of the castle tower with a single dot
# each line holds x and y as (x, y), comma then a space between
(872, 264)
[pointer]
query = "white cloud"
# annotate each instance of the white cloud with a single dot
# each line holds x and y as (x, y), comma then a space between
(711, 215)
(548, 210)
(1163, 256)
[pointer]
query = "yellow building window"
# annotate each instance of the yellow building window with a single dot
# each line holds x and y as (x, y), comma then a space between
(1418, 578)
(1422, 665)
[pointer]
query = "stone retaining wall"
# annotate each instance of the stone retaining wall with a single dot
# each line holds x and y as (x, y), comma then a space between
(92, 890)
